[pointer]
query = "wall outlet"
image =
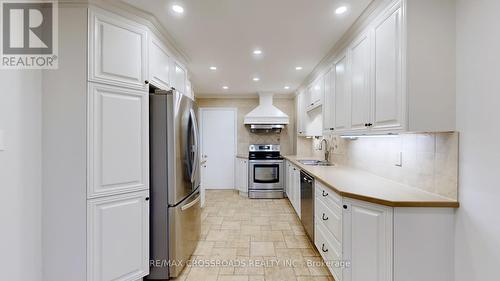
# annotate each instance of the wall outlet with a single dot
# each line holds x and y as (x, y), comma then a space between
(2, 140)
(398, 159)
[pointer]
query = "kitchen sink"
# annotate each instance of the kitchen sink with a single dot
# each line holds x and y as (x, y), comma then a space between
(315, 163)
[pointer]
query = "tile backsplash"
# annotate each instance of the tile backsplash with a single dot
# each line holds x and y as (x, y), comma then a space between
(428, 161)
(245, 137)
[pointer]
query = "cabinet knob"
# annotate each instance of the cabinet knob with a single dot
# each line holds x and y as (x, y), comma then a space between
(324, 217)
(370, 124)
(345, 207)
(147, 198)
(146, 82)
(332, 129)
(323, 248)
(324, 193)
(366, 124)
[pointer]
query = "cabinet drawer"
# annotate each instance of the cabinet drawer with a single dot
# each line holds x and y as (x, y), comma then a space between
(330, 250)
(329, 218)
(329, 197)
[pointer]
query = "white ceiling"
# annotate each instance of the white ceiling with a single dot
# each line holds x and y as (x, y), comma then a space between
(223, 33)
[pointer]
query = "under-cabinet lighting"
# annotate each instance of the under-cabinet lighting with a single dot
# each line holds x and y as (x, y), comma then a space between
(298, 68)
(257, 52)
(286, 87)
(213, 68)
(354, 137)
(256, 79)
(225, 87)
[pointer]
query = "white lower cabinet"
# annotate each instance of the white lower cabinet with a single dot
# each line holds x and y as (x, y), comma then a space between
(118, 237)
(362, 241)
(241, 175)
(367, 244)
(293, 186)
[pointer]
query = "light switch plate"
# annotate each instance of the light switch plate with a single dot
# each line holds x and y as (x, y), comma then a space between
(2, 140)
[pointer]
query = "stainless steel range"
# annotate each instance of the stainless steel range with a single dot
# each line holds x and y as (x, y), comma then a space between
(265, 171)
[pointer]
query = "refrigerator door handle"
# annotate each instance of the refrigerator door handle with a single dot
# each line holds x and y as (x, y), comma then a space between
(196, 146)
(191, 204)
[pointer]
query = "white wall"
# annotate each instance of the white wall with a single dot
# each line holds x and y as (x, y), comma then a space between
(20, 175)
(478, 111)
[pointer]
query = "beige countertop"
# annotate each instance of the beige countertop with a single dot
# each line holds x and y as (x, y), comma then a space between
(361, 185)
(243, 156)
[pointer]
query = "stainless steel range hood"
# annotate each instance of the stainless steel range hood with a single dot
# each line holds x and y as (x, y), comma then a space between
(266, 114)
(266, 128)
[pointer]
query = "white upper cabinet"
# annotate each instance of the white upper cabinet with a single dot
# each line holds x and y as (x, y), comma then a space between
(381, 86)
(179, 78)
(159, 64)
(341, 89)
(118, 140)
(117, 50)
(316, 92)
(301, 115)
(360, 83)
(329, 103)
(388, 97)
(118, 237)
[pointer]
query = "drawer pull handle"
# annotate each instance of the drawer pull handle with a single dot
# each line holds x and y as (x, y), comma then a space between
(325, 218)
(323, 248)
(325, 193)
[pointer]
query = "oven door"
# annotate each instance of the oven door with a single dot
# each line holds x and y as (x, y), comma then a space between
(265, 174)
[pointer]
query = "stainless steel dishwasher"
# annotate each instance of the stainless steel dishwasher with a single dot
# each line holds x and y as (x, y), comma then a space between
(307, 203)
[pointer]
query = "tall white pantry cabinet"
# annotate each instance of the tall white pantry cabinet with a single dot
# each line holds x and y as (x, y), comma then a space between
(95, 206)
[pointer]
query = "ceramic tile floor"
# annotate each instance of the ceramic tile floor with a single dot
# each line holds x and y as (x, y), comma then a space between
(252, 240)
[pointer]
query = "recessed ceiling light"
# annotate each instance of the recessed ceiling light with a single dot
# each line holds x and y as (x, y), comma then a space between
(286, 87)
(213, 68)
(178, 9)
(225, 87)
(256, 79)
(298, 68)
(257, 52)
(340, 10)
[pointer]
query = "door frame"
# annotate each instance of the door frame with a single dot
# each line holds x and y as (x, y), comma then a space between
(200, 121)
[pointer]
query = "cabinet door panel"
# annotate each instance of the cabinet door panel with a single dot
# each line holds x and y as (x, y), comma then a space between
(388, 111)
(368, 241)
(118, 237)
(118, 140)
(118, 50)
(159, 64)
(328, 104)
(179, 78)
(341, 95)
(360, 83)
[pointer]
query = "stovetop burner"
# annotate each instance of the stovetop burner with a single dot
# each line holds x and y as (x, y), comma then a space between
(264, 152)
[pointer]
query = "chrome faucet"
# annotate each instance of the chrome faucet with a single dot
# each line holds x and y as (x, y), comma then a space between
(327, 148)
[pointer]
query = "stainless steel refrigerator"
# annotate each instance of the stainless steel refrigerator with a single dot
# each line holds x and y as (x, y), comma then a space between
(175, 182)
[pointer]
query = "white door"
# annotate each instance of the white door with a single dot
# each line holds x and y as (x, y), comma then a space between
(218, 147)
(118, 140)
(360, 84)
(118, 237)
(367, 241)
(388, 105)
(341, 94)
(118, 50)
